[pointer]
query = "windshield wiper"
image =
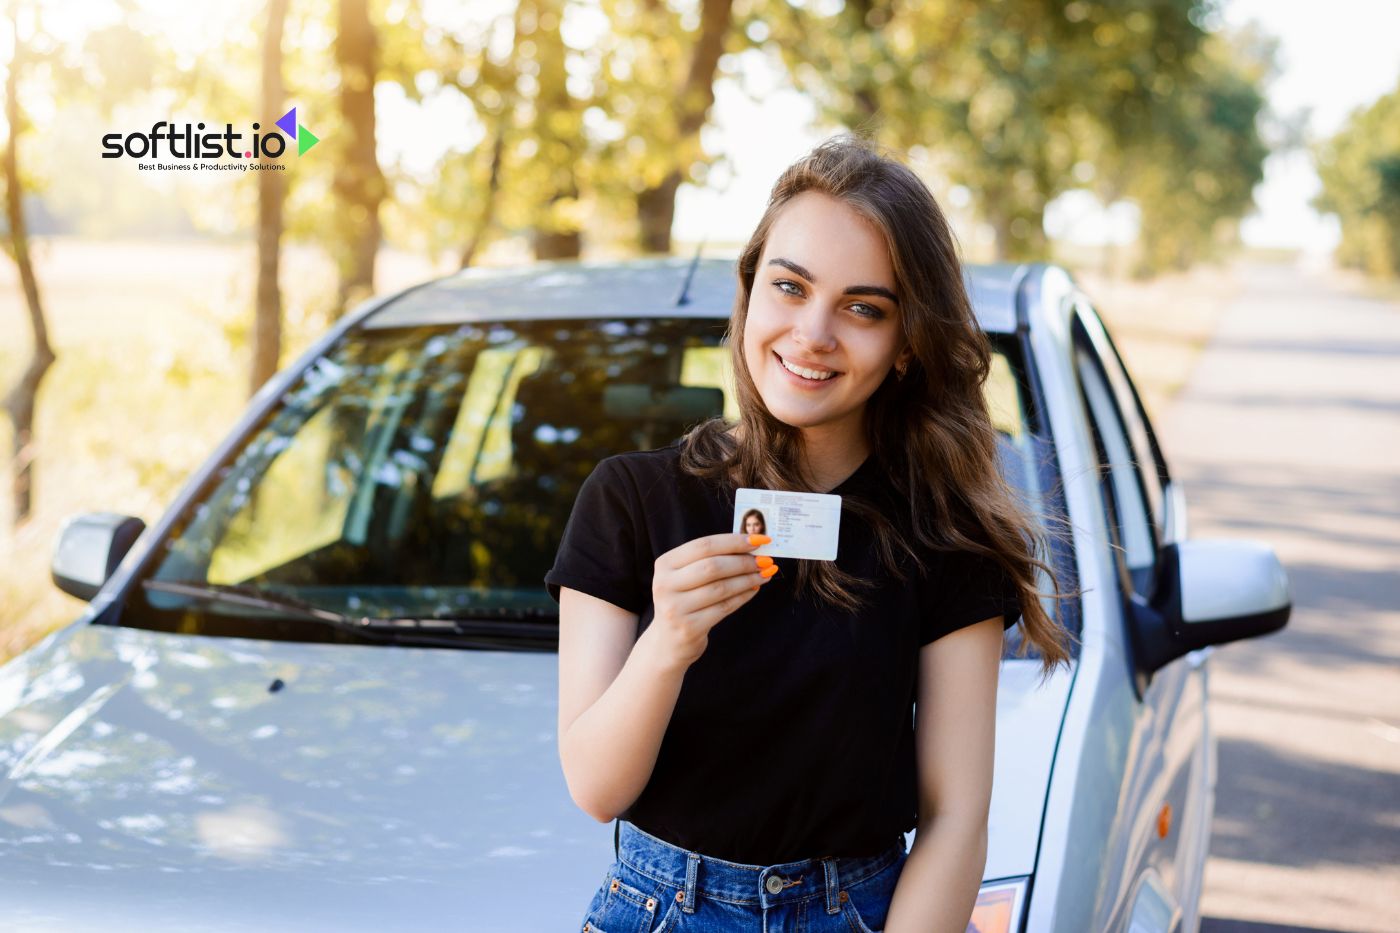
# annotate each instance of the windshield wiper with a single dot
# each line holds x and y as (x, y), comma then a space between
(429, 631)
(487, 620)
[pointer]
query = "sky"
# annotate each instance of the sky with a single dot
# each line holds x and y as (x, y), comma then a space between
(1336, 57)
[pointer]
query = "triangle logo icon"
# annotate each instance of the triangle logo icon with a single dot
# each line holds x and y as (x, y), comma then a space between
(305, 139)
(287, 123)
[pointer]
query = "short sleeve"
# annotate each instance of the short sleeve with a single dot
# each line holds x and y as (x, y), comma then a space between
(964, 589)
(597, 554)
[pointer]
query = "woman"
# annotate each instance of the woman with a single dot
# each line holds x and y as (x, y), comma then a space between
(753, 523)
(751, 726)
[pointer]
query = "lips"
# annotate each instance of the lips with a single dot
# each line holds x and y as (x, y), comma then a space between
(789, 366)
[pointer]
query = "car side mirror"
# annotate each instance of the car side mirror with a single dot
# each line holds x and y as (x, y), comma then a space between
(1211, 592)
(90, 546)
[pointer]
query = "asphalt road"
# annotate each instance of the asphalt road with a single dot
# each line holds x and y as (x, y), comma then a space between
(1288, 431)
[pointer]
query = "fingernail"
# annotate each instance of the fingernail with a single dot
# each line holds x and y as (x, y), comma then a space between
(763, 561)
(759, 540)
(769, 572)
(755, 587)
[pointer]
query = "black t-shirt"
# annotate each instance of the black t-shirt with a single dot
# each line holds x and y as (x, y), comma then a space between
(793, 735)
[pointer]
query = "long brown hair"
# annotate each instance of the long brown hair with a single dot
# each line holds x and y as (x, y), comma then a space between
(930, 432)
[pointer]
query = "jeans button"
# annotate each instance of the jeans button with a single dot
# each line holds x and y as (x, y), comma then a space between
(774, 884)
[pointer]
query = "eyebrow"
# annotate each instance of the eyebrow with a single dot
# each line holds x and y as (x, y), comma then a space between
(877, 290)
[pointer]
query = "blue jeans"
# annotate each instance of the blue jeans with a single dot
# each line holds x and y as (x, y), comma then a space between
(656, 887)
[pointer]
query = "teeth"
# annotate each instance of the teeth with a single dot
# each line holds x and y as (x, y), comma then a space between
(805, 373)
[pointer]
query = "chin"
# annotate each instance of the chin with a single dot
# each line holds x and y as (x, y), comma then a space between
(797, 416)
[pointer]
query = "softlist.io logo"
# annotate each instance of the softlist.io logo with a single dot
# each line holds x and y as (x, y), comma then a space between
(202, 150)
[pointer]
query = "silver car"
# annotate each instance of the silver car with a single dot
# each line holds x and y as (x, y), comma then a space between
(320, 693)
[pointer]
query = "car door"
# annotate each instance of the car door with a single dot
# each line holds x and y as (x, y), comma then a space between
(1156, 856)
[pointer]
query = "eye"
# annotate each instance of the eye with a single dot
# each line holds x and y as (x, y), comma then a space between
(870, 312)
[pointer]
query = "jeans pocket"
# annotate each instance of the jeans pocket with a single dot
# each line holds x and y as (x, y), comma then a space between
(867, 901)
(622, 907)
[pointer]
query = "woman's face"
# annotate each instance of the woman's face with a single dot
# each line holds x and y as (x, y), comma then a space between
(823, 300)
(753, 525)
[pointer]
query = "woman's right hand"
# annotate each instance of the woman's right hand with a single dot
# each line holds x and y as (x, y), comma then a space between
(698, 584)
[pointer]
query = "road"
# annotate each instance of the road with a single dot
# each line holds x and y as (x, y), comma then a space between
(1288, 431)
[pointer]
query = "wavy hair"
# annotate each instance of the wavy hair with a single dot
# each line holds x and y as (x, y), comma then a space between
(930, 432)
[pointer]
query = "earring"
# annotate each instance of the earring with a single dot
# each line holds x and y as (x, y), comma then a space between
(899, 371)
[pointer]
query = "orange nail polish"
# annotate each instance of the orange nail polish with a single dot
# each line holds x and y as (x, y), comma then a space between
(770, 571)
(764, 561)
(759, 540)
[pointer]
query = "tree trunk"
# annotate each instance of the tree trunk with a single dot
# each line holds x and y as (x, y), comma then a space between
(866, 16)
(656, 206)
(559, 131)
(1001, 229)
(488, 198)
(359, 184)
(272, 190)
(19, 401)
(1012, 246)
(656, 211)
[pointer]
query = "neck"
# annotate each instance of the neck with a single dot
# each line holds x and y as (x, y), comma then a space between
(831, 453)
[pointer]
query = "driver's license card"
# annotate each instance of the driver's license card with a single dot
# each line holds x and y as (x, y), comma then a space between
(802, 524)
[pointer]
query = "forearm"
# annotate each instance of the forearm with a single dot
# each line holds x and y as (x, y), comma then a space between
(938, 886)
(610, 750)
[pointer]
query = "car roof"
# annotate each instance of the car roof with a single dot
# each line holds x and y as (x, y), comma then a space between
(646, 287)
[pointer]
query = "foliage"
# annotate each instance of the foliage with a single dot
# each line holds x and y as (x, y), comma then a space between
(1194, 168)
(1360, 172)
(1010, 96)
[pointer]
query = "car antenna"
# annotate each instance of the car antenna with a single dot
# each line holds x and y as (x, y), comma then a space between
(683, 297)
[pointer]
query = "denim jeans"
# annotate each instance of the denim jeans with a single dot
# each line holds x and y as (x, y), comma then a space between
(656, 887)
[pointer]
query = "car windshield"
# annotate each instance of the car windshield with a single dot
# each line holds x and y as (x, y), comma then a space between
(427, 473)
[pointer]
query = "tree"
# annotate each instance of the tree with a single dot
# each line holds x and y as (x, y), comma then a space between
(27, 40)
(678, 144)
(272, 192)
(359, 183)
(459, 207)
(1007, 95)
(515, 71)
(1192, 163)
(556, 128)
(1360, 171)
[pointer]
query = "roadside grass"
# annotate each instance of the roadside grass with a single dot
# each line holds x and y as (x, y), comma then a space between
(1161, 326)
(152, 345)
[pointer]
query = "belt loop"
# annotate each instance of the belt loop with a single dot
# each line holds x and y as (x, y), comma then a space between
(833, 886)
(692, 868)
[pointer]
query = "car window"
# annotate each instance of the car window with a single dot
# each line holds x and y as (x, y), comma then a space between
(423, 471)
(1120, 468)
(1026, 461)
(1008, 407)
(1134, 417)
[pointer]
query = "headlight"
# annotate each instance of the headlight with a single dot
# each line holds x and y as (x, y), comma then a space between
(999, 907)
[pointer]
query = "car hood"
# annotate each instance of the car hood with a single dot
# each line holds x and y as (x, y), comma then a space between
(165, 781)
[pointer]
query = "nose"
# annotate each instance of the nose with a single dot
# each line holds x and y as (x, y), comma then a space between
(812, 329)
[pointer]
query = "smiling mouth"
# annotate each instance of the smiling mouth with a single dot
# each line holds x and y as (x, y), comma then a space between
(811, 375)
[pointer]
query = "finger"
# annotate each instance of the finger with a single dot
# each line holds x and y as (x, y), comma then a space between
(714, 569)
(718, 612)
(711, 546)
(703, 598)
